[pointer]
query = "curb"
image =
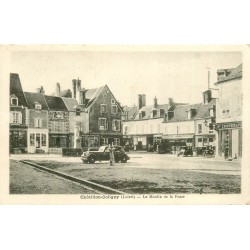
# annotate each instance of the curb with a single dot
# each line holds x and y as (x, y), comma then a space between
(91, 184)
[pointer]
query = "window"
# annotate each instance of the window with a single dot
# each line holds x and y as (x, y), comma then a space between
(38, 122)
(112, 101)
(116, 125)
(103, 108)
(43, 139)
(154, 113)
(114, 109)
(104, 141)
(104, 95)
(162, 112)
(211, 139)
(102, 124)
(32, 139)
(14, 101)
(78, 112)
(143, 114)
(38, 106)
(116, 142)
(16, 117)
(199, 139)
(126, 129)
(199, 128)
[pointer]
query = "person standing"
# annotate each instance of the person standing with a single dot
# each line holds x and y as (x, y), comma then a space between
(111, 154)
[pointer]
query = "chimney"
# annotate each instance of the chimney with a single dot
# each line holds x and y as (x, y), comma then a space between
(207, 96)
(74, 87)
(170, 101)
(155, 102)
(42, 91)
(139, 100)
(58, 88)
(78, 84)
(143, 100)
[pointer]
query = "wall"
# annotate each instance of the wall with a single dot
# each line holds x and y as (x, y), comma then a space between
(229, 98)
(38, 114)
(65, 119)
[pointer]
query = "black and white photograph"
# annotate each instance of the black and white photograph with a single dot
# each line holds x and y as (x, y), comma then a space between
(124, 123)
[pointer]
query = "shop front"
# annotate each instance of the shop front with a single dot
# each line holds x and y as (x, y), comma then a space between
(38, 141)
(205, 140)
(175, 142)
(94, 141)
(57, 142)
(230, 139)
(18, 139)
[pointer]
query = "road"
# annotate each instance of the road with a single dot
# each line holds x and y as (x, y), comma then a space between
(154, 161)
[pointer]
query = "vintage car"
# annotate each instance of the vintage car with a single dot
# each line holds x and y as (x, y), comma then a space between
(103, 154)
(185, 151)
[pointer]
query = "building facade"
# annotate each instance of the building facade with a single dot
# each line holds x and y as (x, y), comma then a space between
(229, 112)
(38, 138)
(103, 115)
(58, 123)
(18, 116)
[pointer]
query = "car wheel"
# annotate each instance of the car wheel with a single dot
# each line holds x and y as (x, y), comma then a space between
(92, 160)
(116, 160)
(124, 159)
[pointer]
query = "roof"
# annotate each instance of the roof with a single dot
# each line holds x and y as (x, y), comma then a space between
(63, 93)
(130, 111)
(235, 74)
(55, 103)
(149, 110)
(202, 111)
(17, 90)
(91, 94)
(72, 104)
(35, 97)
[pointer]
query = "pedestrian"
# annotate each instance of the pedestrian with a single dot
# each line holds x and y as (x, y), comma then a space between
(111, 154)
(226, 151)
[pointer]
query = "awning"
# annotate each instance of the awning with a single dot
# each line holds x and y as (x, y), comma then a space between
(184, 136)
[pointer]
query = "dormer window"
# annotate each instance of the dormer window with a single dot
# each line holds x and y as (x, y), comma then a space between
(191, 113)
(13, 100)
(38, 106)
(162, 111)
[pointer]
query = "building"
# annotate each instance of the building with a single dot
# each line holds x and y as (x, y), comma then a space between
(58, 124)
(229, 112)
(174, 124)
(78, 122)
(18, 116)
(38, 133)
(147, 125)
(103, 115)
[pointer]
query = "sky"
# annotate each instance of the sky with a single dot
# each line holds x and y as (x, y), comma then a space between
(180, 75)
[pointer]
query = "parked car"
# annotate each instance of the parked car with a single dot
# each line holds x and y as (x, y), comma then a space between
(103, 154)
(185, 151)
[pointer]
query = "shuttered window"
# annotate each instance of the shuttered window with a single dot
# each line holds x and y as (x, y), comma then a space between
(102, 124)
(116, 125)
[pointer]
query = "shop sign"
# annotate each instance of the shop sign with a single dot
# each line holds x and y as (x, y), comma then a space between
(229, 125)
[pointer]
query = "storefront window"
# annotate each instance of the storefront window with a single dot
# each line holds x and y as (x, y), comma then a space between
(32, 139)
(43, 139)
(104, 141)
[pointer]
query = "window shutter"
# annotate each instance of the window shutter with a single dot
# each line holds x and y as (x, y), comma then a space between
(106, 125)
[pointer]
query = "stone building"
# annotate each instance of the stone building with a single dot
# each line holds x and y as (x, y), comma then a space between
(229, 112)
(103, 115)
(58, 123)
